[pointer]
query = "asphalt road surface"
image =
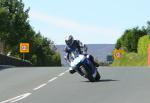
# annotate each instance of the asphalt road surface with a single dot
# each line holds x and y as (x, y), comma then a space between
(56, 85)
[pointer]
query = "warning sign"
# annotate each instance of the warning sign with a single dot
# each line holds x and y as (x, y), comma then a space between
(118, 53)
(24, 47)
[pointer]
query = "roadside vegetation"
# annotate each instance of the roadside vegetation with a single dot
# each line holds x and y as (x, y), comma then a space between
(15, 28)
(134, 42)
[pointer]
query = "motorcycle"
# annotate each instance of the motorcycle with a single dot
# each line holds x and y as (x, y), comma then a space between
(85, 67)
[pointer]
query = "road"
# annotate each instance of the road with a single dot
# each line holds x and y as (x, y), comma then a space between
(56, 85)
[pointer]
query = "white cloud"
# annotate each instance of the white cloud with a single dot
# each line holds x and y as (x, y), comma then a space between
(93, 34)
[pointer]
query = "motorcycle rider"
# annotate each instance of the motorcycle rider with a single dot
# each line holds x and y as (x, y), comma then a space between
(75, 45)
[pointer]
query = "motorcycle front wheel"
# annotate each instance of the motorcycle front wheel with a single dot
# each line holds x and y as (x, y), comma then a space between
(87, 73)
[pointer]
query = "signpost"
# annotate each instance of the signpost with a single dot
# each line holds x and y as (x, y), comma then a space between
(24, 48)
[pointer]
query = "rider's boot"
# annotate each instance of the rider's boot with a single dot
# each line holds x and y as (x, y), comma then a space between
(71, 71)
(95, 64)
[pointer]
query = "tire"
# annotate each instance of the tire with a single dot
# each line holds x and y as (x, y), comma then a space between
(87, 73)
(97, 78)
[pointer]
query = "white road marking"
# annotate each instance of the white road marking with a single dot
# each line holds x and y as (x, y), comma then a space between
(23, 96)
(66, 71)
(17, 98)
(52, 79)
(20, 97)
(42, 85)
(61, 74)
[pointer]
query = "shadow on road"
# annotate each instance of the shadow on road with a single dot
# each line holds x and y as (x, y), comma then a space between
(104, 80)
(2, 67)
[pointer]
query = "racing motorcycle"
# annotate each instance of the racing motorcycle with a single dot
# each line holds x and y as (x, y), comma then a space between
(81, 64)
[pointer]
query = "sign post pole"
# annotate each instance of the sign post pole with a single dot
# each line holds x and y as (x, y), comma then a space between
(23, 56)
(24, 48)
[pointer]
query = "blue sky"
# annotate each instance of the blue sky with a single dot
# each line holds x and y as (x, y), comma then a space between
(91, 21)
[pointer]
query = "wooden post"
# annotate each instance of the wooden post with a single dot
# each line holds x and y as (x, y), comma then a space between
(23, 56)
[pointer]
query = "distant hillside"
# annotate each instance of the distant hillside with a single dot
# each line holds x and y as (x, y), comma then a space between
(99, 51)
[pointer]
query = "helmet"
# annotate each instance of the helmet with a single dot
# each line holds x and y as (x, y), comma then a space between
(69, 40)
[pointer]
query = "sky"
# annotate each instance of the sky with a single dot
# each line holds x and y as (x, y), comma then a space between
(90, 21)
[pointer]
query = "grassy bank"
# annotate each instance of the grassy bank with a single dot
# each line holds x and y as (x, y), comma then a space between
(131, 59)
(135, 59)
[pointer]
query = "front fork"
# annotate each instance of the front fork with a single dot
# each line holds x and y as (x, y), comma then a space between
(77, 70)
(80, 71)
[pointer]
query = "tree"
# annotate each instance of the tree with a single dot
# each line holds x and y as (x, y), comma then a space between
(15, 28)
(118, 44)
(16, 23)
(129, 39)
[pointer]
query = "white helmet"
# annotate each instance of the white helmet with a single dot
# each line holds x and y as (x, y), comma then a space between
(69, 40)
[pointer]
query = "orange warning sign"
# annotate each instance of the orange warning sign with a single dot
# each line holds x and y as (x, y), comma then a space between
(24, 47)
(118, 53)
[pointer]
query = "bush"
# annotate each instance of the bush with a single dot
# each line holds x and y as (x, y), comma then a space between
(143, 45)
(135, 59)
